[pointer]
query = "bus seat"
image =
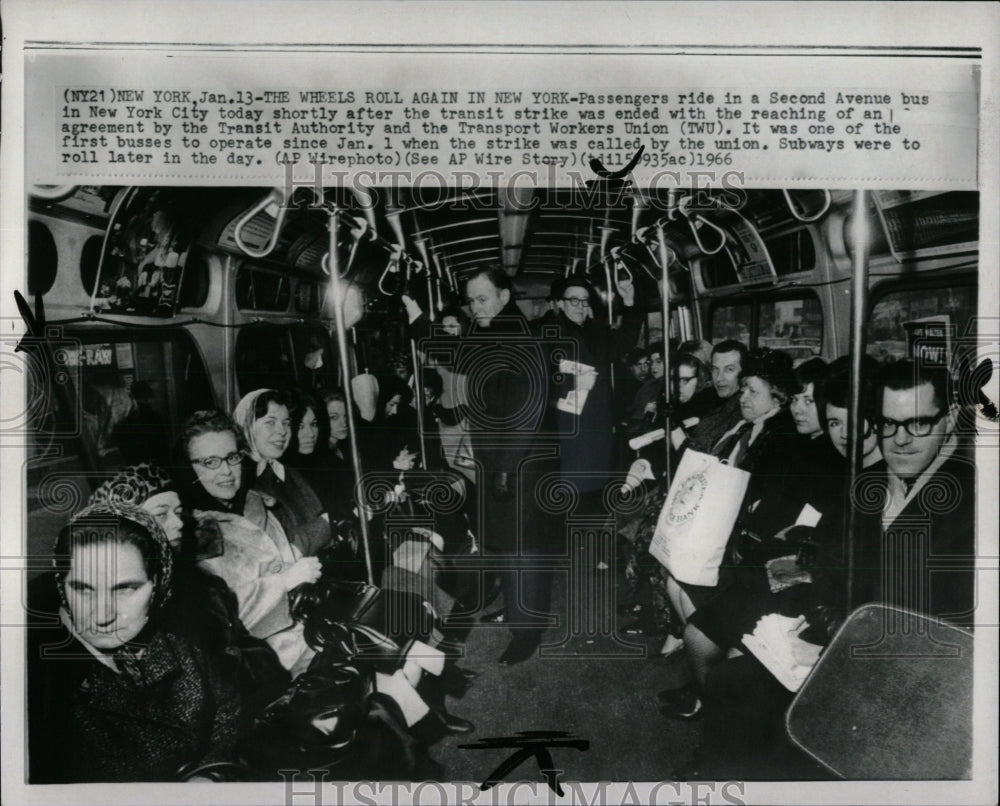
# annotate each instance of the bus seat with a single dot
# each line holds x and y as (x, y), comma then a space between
(889, 699)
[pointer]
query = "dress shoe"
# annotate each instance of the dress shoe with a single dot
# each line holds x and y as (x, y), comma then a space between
(519, 649)
(455, 724)
(671, 695)
(686, 708)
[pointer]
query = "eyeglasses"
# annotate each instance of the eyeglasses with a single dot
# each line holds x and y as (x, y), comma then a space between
(215, 462)
(915, 426)
(576, 302)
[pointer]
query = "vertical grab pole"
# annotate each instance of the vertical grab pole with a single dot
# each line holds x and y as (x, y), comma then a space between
(418, 394)
(855, 417)
(337, 293)
(665, 297)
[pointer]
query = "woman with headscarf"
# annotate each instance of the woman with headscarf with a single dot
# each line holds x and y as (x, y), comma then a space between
(115, 694)
(265, 424)
(202, 606)
(257, 562)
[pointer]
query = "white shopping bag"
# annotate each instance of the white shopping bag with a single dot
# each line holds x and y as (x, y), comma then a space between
(698, 517)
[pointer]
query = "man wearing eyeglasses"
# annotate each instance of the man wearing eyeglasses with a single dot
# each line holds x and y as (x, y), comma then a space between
(585, 406)
(923, 555)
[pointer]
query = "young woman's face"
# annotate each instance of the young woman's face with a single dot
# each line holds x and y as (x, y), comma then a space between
(687, 382)
(308, 432)
(108, 593)
(272, 431)
(656, 365)
(392, 405)
(803, 410)
(218, 448)
(166, 508)
(337, 412)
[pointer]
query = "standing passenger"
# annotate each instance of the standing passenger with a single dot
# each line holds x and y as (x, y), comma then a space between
(508, 393)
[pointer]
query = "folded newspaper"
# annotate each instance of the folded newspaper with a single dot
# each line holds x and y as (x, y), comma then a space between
(775, 643)
(576, 398)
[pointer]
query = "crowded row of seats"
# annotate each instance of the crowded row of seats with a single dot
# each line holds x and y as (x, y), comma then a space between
(213, 614)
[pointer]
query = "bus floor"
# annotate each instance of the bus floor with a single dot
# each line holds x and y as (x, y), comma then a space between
(594, 685)
(585, 681)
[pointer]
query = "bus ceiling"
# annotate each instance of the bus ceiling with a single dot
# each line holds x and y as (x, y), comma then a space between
(729, 238)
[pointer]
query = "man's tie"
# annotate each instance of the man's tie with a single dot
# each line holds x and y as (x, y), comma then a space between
(741, 436)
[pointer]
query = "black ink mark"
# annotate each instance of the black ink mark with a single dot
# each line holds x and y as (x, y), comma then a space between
(529, 743)
(598, 167)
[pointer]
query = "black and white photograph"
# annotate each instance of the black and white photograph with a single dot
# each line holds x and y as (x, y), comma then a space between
(555, 437)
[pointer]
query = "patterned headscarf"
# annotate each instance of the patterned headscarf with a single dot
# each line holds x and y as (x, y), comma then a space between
(160, 552)
(244, 418)
(133, 486)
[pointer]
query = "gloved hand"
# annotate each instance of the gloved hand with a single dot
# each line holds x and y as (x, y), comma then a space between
(501, 487)
(824, 621)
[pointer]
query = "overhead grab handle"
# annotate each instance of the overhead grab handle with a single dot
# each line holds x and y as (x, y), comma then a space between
(696, 221)
(274, 205)
(794, 209)
(622, 272)
(392, 266)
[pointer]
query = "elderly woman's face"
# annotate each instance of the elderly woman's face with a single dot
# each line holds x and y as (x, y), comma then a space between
(272, 431)
(756, 398)
(108, 593)
(308, 432)
(166, 508)
(217, 464)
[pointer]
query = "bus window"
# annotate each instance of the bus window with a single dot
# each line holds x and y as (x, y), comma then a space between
(134, 389)
(792, 252)
(258, 290)
(792, 325)
(43, 258)
(731, 322)
(953, 305)
(264, 358)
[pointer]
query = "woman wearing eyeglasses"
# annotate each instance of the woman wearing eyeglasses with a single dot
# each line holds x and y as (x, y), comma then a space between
(258, 563)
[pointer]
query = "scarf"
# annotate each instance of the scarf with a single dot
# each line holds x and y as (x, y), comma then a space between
(244, 418)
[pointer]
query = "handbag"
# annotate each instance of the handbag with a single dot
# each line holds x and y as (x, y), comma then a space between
(697, 518)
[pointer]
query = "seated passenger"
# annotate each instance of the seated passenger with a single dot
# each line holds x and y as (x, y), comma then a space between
(693, 390)
(900, 506)
(114, 694)
(263, 419)
(759, 444)
(257, 562)
(722, 402)
(201, 608)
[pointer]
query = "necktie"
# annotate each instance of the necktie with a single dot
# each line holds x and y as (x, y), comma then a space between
(741, 436)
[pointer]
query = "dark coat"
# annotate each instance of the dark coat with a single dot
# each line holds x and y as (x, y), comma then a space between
(301, 511)
(586, 440)
(508, 376)
(932, 540)
(87, 723)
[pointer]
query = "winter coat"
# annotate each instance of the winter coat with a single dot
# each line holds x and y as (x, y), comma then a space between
(255, 552)
(89, 723)
(586, 440)
(508, 388)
